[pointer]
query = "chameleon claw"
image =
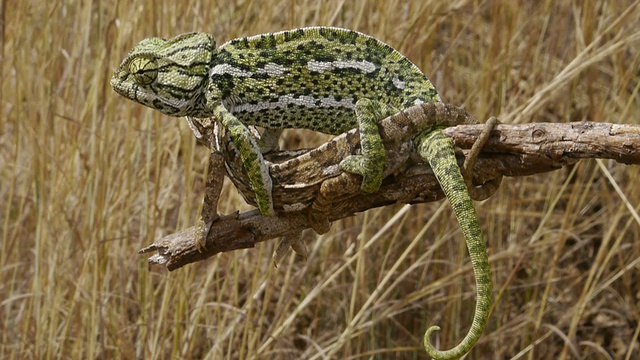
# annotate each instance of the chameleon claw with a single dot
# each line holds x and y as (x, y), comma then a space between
(486, 190)
(289, 241)
(300, 248)
(202, 232)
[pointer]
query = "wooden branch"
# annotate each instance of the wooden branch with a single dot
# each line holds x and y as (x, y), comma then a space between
(559, 142)
(512, 150)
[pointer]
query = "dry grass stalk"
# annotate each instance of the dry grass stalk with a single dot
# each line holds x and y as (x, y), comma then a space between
(87, 178)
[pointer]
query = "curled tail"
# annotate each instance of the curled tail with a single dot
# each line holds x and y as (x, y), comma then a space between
(438, 150)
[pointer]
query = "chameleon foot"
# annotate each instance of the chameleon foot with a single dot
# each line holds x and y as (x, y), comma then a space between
(295, 242)
(487, 189)
(319, 223)
(202, 231)
(208, 214)
(321, 206)
(370, 164)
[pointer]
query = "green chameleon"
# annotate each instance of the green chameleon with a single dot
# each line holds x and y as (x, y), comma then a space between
(320, 78)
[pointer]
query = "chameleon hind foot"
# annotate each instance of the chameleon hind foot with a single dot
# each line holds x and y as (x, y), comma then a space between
(342, 185)
(370, 164)
(293, 241)
(487, 189)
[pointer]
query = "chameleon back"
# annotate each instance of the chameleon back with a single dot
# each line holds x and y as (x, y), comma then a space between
(312, 78)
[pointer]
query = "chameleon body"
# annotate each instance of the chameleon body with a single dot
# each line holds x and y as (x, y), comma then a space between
(319, 78)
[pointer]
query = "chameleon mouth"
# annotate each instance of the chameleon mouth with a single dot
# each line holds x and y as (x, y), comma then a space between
(122, 84)
(119, 84)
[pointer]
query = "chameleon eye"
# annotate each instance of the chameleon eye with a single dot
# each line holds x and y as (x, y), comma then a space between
(144, 70)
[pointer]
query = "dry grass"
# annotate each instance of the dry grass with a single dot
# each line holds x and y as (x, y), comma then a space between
(88, 177)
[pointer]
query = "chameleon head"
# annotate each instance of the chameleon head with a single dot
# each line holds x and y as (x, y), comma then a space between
(170, 75)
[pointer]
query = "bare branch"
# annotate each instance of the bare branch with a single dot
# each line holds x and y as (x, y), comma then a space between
(512, 150)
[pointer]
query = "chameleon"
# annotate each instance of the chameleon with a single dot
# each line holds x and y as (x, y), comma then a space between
(324, 79)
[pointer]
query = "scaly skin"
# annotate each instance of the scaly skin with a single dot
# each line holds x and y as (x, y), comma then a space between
(437, 149)
(312, 78)
(319, 78)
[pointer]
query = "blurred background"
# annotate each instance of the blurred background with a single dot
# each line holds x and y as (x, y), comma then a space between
(88, 177)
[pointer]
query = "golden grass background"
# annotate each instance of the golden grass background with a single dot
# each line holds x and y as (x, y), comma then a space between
(88, 177)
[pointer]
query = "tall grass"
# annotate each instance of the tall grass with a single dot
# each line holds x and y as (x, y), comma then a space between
(88, 177)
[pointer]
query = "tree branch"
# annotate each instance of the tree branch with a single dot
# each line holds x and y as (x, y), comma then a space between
(512, 150)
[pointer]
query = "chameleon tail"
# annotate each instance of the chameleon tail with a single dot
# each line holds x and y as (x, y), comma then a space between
(438, 150)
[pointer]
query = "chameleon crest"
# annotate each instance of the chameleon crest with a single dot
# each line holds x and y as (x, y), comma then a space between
(290, 79)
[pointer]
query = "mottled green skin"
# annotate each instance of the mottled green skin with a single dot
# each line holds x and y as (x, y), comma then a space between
(319, 78)
(437, 149)
(291, 79)
(167, 75)
(294, 50)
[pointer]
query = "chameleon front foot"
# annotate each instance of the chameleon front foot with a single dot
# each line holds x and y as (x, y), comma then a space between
(209, 214)
(201, 234)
